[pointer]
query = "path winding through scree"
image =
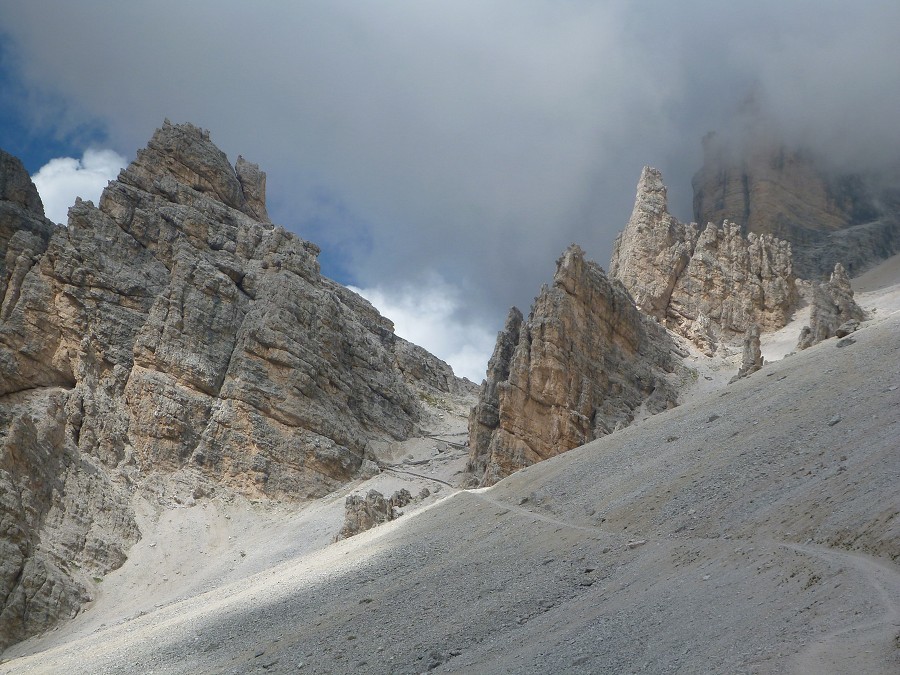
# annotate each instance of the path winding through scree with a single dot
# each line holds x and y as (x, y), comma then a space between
(596, 531)
(847, 649)
(857, 648)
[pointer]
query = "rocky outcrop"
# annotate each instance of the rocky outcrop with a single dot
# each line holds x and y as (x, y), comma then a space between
(24, 231)
(751, 357)
(172, 330)
(767, 188)
(832, 308)
(706, 285)
(364, 513)
(585, 362)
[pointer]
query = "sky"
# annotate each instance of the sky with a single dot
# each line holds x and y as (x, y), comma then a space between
(444, 154)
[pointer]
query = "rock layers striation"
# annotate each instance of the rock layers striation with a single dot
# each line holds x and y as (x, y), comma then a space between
(584, 362)
(172, 330)
(705, 284)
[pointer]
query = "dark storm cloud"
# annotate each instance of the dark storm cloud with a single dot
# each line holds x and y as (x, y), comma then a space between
(468, 141)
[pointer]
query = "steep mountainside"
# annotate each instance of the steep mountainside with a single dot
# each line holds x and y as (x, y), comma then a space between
(770, 189)
(172, 341)
(582, 365)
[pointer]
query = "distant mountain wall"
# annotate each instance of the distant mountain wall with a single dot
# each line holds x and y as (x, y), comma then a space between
(828, 217)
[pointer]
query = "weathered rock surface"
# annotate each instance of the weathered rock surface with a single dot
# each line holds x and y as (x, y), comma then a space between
(172, 329)
(706, 285)
(584, 362)
(364, 513)
(833, 310)
(485, 416)
(751, 358)
(24, 231)
(767, 188)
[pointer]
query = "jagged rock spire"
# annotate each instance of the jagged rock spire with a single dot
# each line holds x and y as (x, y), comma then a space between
(705, 285)
(584, 361)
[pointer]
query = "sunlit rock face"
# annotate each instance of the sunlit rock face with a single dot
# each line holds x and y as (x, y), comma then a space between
(708, 284)
(585, 360)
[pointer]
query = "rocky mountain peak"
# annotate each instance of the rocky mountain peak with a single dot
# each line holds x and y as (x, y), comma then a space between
(24, 231)
(16, 186)
(651, 193)
(184, 154)
(653, 249)
(173, 342)
(583, 363)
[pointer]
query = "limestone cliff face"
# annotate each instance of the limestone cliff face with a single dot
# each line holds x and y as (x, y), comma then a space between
(706, 285)
(24, 231)
(584, 362)
(770, 189)
(172, 329)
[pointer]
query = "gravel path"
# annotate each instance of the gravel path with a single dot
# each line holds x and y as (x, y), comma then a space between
(863, 646)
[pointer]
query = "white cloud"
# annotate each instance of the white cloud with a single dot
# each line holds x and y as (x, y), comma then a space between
(429, 316)
(63, 179)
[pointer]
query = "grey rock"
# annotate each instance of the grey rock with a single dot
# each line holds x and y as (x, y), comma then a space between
(485, 416)
(24, 231)
(846, 328)
(364, 513)
(832, 308)
(751, 359)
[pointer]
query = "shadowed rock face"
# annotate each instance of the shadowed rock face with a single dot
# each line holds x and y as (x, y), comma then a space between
(706, 285)
(172, 329)
(24, 231)
(581, 365)
(769, 189)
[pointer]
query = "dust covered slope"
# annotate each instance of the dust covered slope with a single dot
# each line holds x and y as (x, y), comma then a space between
(751, 530)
